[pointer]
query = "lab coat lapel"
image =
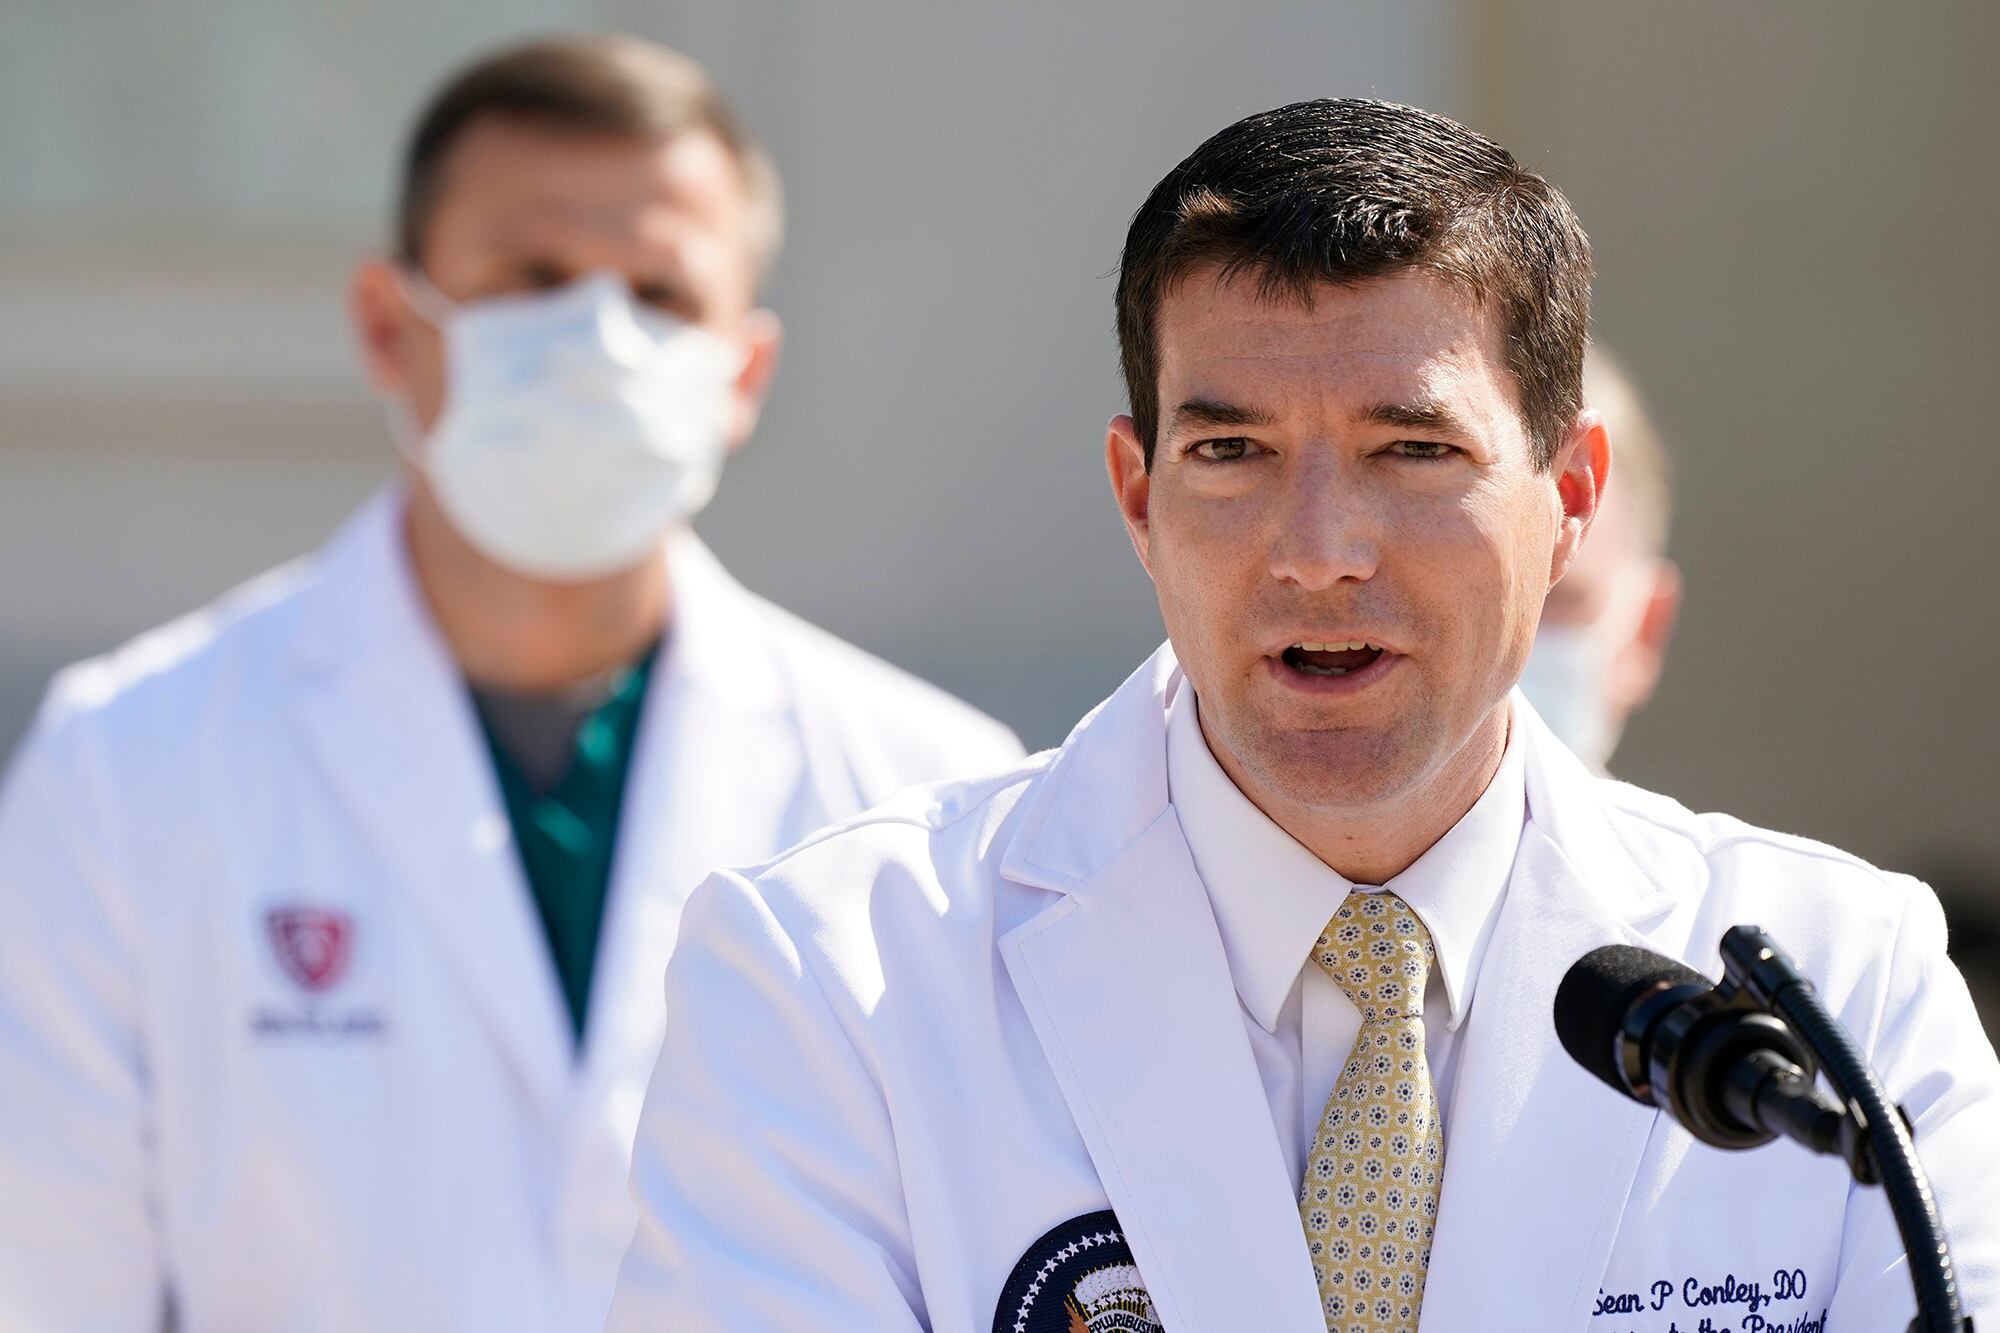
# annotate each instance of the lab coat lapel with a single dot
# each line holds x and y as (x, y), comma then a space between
(1128, 990)
(708, 787)
(1541, 1157)
(385, 713)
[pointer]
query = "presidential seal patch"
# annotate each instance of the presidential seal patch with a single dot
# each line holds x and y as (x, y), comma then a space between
(1078, 1278)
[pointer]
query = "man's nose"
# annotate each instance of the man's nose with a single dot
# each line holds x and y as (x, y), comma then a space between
(1327, 531)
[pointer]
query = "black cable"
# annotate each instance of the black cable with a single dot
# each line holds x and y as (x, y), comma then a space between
(1895, 1155)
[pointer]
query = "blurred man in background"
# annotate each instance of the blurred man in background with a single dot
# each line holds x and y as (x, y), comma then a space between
(335, 913)
(1604, 631)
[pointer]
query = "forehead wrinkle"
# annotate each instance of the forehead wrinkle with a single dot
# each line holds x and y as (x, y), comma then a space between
(1319, 349)
(663, 199)
(662, 237)
(1336, 358)
(1255, 389)
(554, 219)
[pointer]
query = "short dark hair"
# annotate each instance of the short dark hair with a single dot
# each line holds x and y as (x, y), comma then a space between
(1344, 190)
(613, 86)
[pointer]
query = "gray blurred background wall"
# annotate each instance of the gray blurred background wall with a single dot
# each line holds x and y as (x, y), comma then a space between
(1791, 203)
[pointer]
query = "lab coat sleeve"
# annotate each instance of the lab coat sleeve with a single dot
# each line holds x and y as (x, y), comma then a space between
(78, 1248)
(765, 1167)
(1932, 1056)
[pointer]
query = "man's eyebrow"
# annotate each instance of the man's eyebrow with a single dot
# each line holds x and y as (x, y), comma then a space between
(1416, 416)
(1214, 412)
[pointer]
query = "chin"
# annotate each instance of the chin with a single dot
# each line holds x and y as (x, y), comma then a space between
(1345, 769)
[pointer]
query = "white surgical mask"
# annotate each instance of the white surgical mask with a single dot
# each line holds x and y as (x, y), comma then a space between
(1568, 676)
(578, 426)
(1564, 680)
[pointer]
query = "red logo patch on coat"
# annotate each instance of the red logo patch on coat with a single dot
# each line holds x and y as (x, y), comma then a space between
(313, 944)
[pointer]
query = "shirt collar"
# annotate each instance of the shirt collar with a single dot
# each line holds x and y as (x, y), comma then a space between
(1272, 897)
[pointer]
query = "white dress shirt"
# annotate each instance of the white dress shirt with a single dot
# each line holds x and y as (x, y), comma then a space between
(1272, 898)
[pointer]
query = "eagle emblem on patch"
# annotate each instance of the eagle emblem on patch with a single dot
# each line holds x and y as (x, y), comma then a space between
(1078, 1278)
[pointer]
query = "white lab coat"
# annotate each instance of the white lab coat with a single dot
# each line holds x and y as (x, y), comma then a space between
(417, 1145)
(930, 1035)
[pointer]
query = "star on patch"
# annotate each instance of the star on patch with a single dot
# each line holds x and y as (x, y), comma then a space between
(1079, 1277)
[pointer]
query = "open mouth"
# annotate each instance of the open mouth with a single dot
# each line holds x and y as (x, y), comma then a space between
(1330, 659)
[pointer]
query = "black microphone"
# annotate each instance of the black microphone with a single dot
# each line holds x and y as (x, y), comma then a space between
(1736, 1065)
(1732, 1074)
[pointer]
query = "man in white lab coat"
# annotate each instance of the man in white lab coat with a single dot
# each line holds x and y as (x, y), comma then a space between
(1603, 639)
(1234, 1012)
(332, 917)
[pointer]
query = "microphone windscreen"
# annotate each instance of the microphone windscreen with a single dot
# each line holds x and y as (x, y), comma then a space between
(1596, 994)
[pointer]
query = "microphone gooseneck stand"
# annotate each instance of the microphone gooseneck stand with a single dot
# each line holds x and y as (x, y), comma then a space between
(1755, 963)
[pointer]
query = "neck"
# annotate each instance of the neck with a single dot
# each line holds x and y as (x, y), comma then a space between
(513, 633)
(1373, 843)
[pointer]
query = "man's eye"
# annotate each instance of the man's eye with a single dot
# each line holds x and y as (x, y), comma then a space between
(1222, 451)
(541, 276)
(665, 296)
(1423, 449)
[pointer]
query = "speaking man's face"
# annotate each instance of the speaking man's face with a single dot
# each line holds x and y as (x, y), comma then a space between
(1348, 534)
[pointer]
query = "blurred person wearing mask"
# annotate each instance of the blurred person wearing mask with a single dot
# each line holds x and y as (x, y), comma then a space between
(1605, 627)
(334, 914)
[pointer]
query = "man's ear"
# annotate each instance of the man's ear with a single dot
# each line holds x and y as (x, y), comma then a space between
(380, 317)
(762, 339)
(1131, 483)
(1635, 668)
(1581, 466)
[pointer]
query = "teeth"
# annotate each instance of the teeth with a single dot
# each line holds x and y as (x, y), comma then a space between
(1353, 646)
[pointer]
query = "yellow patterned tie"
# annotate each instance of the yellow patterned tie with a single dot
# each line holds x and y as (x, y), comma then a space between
(1369, 1200)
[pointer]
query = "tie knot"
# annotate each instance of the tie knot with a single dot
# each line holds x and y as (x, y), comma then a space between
(1378, 952)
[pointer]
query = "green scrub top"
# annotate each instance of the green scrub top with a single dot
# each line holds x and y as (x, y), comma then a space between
(567, 833)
